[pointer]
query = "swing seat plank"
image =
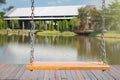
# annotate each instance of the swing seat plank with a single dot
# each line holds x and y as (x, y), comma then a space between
(67, 66)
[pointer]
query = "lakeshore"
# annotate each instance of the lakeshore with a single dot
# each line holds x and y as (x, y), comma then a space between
(109, 34)
(39, 33)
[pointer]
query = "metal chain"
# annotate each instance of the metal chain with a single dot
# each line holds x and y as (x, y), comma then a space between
(103, 51)
(31, 33)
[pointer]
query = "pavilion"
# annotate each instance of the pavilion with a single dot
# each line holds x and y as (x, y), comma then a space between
(55, 13)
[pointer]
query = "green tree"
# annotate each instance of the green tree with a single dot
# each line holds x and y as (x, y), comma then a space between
(63, 25)
(98, 20)
(58, 25)
(40, 25)
(9, 8)
(93, 14)
(2, 1)
(15, 24)
(113, 16)
(49, 26)
(66, 25)
(75, 23)
(2, 14)
(4, 25)
(1, 22)
(52, 25)
(37, 24)
(83, 14)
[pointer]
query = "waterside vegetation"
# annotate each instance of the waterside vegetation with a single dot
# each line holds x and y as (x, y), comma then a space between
(86, 18)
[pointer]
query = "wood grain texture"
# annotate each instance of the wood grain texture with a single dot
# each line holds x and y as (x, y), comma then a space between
(19, 72)
(67, 66)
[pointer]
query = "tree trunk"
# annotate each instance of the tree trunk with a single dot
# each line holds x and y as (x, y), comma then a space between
(84, 24)
(92, 25)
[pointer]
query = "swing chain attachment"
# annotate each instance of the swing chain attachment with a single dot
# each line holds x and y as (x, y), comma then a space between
(103, 51)
(32, 33)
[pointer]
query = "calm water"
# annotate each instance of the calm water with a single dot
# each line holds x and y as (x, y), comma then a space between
(16, 49)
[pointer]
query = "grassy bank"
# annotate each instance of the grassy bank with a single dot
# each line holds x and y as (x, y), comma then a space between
(56, 33)
(3, 32)
(39, 33)
(110, 34)
(14, 32)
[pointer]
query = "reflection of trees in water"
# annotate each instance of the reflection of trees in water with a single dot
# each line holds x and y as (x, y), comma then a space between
(113, 52)
(4, 39)
(18, 39)
(89, 47)
(86, 46)
(57, 40)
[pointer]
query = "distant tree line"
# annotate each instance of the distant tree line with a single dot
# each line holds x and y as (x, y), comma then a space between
(3, 23)
(113, 16)
(63, 25)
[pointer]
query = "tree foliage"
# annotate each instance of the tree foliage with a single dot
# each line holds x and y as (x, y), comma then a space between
(58, 25)
(40, 25)
(1, 22)
(9, 8)
(113, 16)
(2, 1)
(66, 25)
(84, 14)
(52, 25)
(75, 23)
(15, 24)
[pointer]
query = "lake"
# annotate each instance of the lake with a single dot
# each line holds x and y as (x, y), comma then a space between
(16, 49)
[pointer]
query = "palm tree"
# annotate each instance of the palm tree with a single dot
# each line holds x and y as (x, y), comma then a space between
(2, 1)
(86, 12)
(83, 13)
(93, 13)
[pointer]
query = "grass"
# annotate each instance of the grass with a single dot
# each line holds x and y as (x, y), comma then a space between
(68, 33)
(56, 33)
(14, 32)
(110, 34)
(49, 33)
(3, 31)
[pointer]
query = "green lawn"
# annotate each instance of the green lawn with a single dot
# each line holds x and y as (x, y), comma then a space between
(110, 37)
(56, 33)
(110, 34)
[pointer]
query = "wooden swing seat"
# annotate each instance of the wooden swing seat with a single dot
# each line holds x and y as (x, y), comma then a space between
(67, 66)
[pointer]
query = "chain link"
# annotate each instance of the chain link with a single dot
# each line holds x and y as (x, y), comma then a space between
(32, 33)
(103, 51)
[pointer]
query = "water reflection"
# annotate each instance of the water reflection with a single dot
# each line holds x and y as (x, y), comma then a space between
(15, 49)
